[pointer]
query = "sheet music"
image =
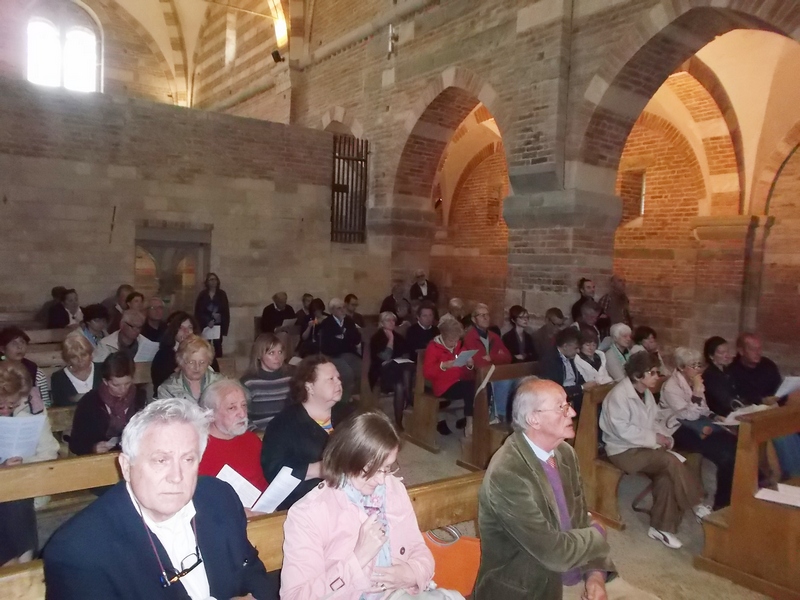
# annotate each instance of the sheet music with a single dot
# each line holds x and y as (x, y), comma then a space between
(247, 492)
(147, 350)
(732, 420)
(788, 385)
(19, 436)
(461, 359)
(279, 488)
(212, 333)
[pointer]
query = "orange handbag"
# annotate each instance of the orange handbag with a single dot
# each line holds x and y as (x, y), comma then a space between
(456, 559)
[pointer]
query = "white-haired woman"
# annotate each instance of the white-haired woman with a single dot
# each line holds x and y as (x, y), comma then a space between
(620, 351)
(385, 346)
(194, 357)
(684, 397)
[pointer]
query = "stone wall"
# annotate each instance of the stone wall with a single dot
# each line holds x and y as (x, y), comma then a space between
(78, 174)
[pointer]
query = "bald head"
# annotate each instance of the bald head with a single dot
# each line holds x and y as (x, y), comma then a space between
(541, 411)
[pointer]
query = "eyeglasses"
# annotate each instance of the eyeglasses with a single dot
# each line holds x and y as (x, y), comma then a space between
(651, 372)
(168, 579)
(696, 366)
(563, 409)
(390, 470)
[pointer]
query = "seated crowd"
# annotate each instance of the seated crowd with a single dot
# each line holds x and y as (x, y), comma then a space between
(351, 527)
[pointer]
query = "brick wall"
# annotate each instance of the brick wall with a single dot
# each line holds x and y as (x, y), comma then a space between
(79, 173)
(475, 265)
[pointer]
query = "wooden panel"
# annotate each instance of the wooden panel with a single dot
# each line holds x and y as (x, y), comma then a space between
(47, 336)
(60, 418)
(46, 358)
(766, 426)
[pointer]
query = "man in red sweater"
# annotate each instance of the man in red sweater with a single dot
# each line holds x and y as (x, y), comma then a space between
(229, 441)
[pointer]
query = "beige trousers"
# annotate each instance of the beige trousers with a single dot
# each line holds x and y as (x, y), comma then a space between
(675, 488)
(615, 590)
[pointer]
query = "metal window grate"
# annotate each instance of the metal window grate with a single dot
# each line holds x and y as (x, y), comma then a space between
(349, 190)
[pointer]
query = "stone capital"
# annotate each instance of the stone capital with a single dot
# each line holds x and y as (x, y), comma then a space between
(563, 208)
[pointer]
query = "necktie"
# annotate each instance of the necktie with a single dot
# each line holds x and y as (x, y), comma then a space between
(552, 462)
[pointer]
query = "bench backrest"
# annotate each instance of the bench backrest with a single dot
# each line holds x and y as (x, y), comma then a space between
(587, 434)
(439, 503)
(419, 379)
(47, 336)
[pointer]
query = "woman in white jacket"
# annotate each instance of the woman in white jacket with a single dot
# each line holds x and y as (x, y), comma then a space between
(683, 397)
(637, 441)
(19, 399)
(590, 362)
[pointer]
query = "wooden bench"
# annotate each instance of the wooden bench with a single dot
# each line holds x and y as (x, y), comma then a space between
(756, 543)
(420, 421)
(486, 439)
(39, 337)
(23, 319)
(436, 504)
(45, 358)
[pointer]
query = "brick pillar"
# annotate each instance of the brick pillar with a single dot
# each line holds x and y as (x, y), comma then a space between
(555, 238)
(724, 273)
(406, 235)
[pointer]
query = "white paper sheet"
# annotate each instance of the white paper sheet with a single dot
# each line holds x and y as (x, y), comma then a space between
(279, 488)
(19, 436)
(147, 350)
(788, 385)
(295, 360)
(402, 361)
(461, 359)
(732, 420)
(247, 492)
(288, 323)
(212, 333)
(680, 457)
(785, 494)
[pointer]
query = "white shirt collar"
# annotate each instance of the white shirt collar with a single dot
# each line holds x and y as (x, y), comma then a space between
(540, 454)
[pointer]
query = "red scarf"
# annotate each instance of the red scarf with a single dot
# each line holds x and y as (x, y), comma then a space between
(118, 409)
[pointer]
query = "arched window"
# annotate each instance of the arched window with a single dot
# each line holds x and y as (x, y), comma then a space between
(62, 57)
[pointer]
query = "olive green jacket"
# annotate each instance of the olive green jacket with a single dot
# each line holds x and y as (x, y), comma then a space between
(523, 550)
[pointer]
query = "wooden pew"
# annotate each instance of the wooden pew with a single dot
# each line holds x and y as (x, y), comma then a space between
(756, 543)
(420, 421)
(23, 319)
(45, 358)
(437, 504)
(47, 336)
(486, 439)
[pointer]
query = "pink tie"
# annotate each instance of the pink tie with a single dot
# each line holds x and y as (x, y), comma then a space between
(552, 462)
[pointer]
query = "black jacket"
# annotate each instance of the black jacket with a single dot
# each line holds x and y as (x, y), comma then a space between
(63, 392)
(90, 423)
(755, 384)
(272, 318)
(104, 551)
(203, 310)
(57, 316)
(335, 340)
(433, 292)
(293, 439)
(527, 347)
(551, 367)
(418, 338)
(721, 390)
(152, 333)
(377, 344)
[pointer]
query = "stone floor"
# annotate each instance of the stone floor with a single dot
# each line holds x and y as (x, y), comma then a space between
(645, 563)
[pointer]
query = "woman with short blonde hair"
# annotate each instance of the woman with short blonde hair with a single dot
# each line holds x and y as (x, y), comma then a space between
(194, 357)
(267, 379)
(68, 385)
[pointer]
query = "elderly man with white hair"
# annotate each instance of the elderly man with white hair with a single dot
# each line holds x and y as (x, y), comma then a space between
(619, 352)
(340, 341)
(538, 539)
(162, 532)
(229, 441)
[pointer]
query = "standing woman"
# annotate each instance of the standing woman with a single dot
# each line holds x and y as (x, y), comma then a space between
(267, 379)
(397, 378)
(18, 537)
(13, 346)
(518, 341)
(68, 385)
(211, 309)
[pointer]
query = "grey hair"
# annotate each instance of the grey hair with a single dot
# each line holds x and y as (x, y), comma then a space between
(133, 314)
(456, 302)
(687, 356)
(213, 393)
(479, 306)
(164, 412)
(451, 325)
(619, 329)
(336, 303)
(385, 316)
(526, 401)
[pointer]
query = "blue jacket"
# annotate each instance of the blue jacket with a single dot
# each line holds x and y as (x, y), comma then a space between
(104, 551)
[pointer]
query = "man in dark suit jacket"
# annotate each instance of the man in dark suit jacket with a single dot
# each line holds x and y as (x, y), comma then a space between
(424, 289)
(142, 538)
(559, 365)
(340, 340)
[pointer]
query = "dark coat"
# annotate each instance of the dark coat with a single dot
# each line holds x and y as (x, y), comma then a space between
(527, 347)
(104, 551)
(377, 344)
(154, 334)
(721, 390)
(418, 338)
(57, 316)
(293, 439)
(63, 392)
(91, 420)
(163, 365)
(756, 383)
(272, 318)
(203, 314)
(551, 367)
(433, 292)
(335, 340)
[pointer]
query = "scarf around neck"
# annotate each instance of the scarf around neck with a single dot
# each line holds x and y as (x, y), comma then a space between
(118, 409)
(373, 504)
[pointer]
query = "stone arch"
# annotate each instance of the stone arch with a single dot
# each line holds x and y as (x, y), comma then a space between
(666, 36)
(477, 159)
(764, 185)
(347, 119)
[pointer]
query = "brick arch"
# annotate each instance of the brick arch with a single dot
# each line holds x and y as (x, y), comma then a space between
(473, 163)
(340, 114)
(764, 185)
(666, 36)
(718, 149)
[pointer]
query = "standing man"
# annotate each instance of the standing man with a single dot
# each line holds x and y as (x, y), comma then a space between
(154, 326)
(276, 313)
(537, 538)
(422, 289)
(586, 289)
(162, 533)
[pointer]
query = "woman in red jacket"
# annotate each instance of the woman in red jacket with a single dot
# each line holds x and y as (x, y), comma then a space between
(449, 381)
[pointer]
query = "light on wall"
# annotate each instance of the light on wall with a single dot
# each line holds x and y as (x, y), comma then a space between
(281, 32)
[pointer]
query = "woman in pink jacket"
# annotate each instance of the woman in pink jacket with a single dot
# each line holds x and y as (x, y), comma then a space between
(355, 537)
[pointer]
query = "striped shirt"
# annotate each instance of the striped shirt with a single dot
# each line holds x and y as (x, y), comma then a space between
(269, 394)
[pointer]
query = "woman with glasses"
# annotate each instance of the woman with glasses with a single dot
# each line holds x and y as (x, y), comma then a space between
(590, 362)
(194, 358)
(638, 440)
(683, 396)
(517, 339)
(356, 534)
(102, 413)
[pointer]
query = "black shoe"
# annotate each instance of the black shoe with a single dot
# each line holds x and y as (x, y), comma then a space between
(442, 428)
(461, 423)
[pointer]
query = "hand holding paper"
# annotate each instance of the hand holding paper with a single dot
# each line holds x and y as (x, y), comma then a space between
(463, 358)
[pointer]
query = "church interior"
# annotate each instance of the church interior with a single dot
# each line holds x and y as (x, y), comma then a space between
(508, 148)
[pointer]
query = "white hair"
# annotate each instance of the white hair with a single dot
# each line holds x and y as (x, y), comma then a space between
(526, 401)
(385, 316)
(164, 412)
(618, 330)
(336, 303)
(687, 356)
(211, 396)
